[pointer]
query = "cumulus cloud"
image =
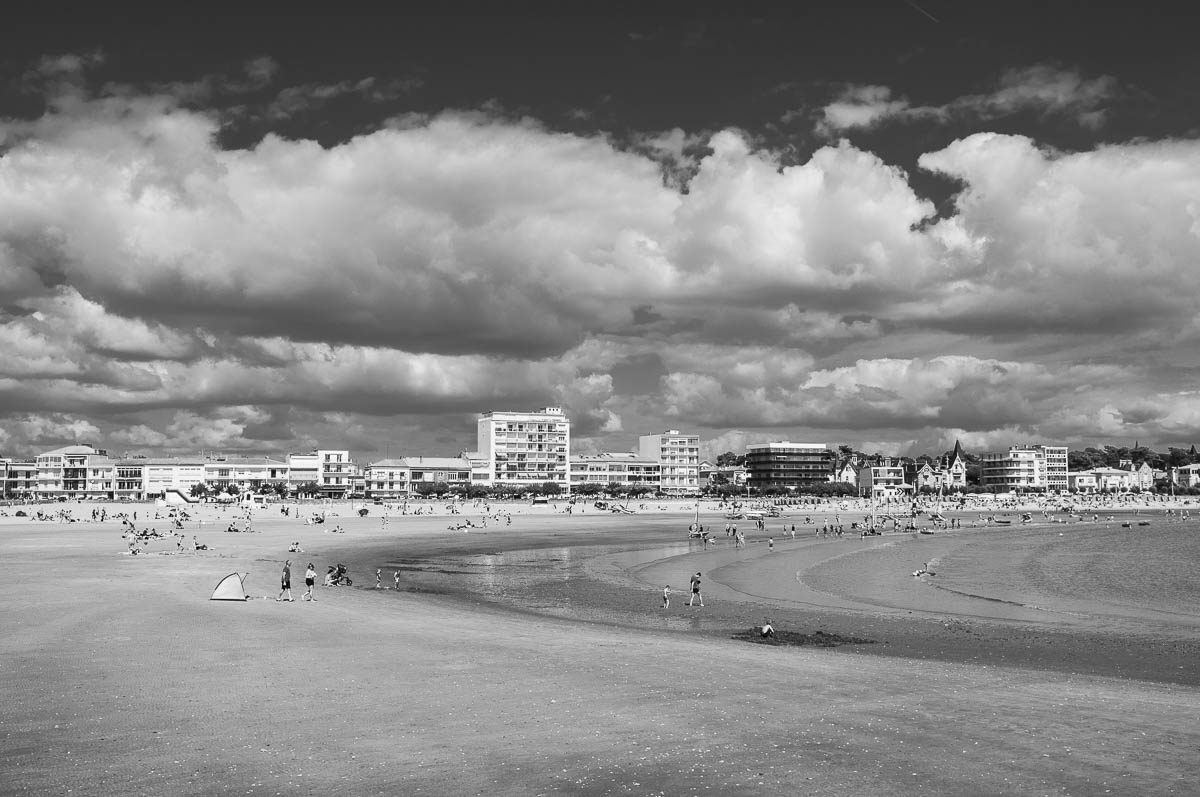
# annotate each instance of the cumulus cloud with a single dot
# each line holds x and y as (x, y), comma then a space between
(165, 291)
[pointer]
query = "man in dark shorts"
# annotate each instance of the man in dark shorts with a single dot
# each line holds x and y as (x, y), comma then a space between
(285, 581)
(696, 590)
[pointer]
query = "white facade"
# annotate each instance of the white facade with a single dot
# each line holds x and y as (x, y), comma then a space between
(303, 469)
(525, 449)
(245, 474)
(1186, 476)
(336, 472)
(400, 478)
(882, 481)
(65, 471)
(161, 475)
(679, 455)
(1032, 466)
(627, 470)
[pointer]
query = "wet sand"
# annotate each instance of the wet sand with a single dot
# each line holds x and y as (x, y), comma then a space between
(124, 678)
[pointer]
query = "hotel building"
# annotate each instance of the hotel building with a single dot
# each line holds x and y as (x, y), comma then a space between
(524, 449)
(791, 466)
(678, 454)
(1026, 467)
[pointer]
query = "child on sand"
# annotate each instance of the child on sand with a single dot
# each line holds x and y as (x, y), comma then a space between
(667, 597)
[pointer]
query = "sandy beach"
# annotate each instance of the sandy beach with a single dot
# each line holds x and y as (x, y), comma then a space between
(494, 671)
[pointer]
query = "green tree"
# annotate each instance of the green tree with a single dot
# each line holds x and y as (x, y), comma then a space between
(551, 488)
(199, 490)
(615, 489)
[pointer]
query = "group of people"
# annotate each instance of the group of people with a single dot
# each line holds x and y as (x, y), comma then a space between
(694, 586)
(285, 582)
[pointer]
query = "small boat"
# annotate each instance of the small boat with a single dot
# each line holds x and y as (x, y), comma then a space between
(1003, 522)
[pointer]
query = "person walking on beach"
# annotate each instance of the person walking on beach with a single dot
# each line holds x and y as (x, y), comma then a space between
(310, 580)
(379, 578)
(770, 543)
(396, 578)
(285, 581)
(667, 597)
(696, 590)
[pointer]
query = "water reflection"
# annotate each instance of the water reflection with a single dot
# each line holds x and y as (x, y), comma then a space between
(541, 580)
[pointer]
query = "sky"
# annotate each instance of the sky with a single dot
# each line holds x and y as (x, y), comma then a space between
(890, 225)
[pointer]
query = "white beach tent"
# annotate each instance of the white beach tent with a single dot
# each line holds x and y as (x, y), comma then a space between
(230, 588)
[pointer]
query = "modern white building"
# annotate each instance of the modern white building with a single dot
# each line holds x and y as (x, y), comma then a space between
(627, 470)
(1026, 467)
(525, 449)
(883, 481)
(65, 472)
(678, 454)
(179, 474)
(236, 475)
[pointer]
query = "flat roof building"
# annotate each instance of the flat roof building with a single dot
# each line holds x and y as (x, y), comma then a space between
(525, 449)
(791, 466)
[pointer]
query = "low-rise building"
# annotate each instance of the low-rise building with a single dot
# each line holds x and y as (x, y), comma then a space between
(236, 475)
(626, 470)
(1186, 476)
(18, 479)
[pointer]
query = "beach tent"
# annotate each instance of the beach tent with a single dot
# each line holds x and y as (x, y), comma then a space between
(230, 588)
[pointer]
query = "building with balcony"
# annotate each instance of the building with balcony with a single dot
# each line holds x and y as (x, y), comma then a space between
(883, 481)
(792, 466)
(1026, 467)
(626, 470)
(524, 449)
(64, 472)
(17, 479)
(678, 455)
(237, 475)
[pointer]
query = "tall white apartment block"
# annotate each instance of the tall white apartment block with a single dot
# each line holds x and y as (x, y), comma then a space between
(1036, 466)
(525, 448)
(679, 455)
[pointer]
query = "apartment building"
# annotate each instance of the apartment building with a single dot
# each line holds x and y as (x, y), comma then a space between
(523, 449)
(17, 479)
(1036, 467)
(64, 472)
(792, 466)
(627, 470)
(678, 454)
